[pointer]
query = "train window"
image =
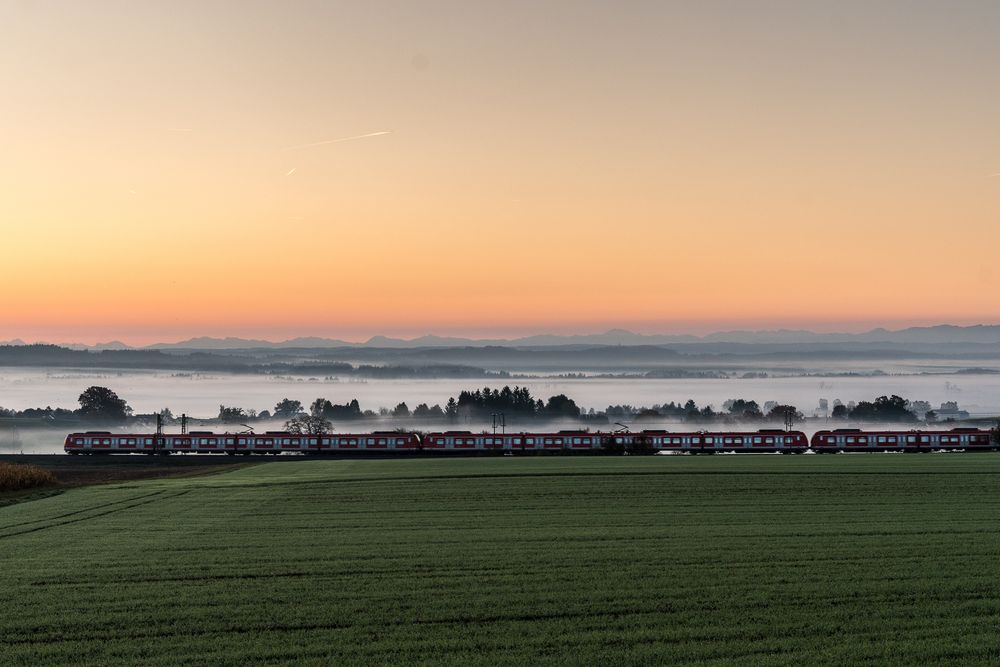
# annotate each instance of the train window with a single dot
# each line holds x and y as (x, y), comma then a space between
(923, 438)
(863, 441)
(576, 441)
(768, 441)
(850, 440)
(728, 441)
(709, 441)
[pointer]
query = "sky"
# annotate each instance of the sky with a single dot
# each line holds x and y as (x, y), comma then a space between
(277, 169)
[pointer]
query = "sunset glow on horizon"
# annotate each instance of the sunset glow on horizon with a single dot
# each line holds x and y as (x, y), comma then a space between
(272, 170)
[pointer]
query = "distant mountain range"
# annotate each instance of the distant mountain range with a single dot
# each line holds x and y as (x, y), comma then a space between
(941, 334)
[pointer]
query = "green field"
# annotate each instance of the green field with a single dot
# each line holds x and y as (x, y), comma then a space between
(710, 560)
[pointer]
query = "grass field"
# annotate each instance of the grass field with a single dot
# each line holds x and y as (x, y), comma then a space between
(714, 560)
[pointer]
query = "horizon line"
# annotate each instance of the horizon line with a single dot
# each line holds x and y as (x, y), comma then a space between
(404, 338)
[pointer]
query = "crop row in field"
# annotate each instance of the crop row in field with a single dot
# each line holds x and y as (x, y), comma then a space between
(564, 561)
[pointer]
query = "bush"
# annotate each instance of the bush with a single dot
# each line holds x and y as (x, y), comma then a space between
(14, 477)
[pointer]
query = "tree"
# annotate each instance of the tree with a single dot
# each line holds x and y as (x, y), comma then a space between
(228, 415)
(424, 412)
(287, 408)
(839, 411)
(451, 409)
(102, 404)
(320, 407)
(327, 410)
(401, 411)
(303, 424)
(784, 412)
(562, 406)
(884, 408)
(743, 409)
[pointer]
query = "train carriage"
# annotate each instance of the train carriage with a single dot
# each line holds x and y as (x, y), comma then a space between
(765, 440)
(512, 442)
(857, 440)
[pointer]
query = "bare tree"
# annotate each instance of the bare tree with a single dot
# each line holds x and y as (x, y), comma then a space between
(307, 425)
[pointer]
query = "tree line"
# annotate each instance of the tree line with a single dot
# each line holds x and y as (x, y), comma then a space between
(516, 404)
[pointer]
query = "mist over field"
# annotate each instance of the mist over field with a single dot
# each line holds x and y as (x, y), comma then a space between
(199, 395)
(955, 370)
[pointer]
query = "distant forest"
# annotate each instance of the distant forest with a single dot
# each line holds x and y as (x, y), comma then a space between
(489, 363)
(61, 357)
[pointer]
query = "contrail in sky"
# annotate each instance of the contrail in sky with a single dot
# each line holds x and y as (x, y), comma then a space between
(291, 171)
(337, 141)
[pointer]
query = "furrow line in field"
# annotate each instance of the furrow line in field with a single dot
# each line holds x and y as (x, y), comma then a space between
(148, 499)
(79, 511)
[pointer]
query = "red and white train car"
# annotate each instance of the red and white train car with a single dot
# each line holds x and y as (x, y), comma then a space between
(856, 440)
(206, 442)
(458, 441)
(705, 442)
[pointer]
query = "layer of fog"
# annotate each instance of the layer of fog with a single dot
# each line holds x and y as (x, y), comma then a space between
(200, 395)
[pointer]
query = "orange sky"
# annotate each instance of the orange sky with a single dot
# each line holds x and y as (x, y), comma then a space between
(574, 166)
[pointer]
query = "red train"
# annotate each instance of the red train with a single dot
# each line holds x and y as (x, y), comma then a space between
(694, 442)
(856, 440)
